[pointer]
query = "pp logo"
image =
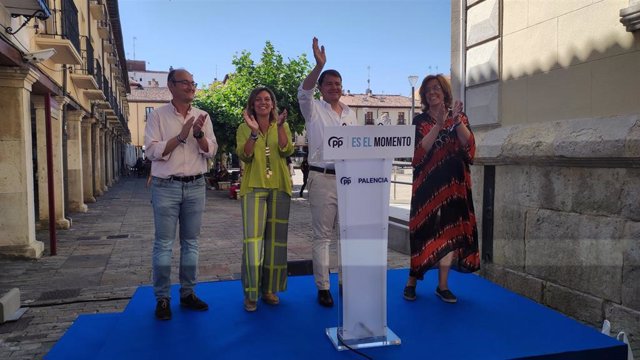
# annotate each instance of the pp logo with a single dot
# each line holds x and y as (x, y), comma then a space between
(335, 142)
(345, 180)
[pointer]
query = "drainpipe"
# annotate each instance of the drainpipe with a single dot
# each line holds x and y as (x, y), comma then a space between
(93, 109)
(65, 162)
(50, 180)
(94, 157)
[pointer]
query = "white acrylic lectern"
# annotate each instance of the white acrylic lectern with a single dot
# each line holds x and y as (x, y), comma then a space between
(363, 158)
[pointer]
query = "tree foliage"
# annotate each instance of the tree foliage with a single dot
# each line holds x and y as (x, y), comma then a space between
(225, 101)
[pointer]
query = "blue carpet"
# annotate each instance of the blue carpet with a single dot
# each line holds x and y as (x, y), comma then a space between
(83, 338)
(488, 322)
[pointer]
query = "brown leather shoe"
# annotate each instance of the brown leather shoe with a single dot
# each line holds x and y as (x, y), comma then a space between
(270, 298)
(163, 309)
(250, 306)
(324, 298)
(192, 302)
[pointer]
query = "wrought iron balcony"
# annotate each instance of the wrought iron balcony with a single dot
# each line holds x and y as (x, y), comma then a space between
(104, 29)
(65, 40)
(98, 73)
(96, 7)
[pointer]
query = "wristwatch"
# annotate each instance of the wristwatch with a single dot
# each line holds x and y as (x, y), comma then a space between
(198, 135)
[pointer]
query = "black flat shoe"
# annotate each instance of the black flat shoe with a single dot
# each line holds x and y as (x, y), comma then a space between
(410, 293)
(446, 296)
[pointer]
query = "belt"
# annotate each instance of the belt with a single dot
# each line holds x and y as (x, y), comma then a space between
(185, 178)
(322, 170)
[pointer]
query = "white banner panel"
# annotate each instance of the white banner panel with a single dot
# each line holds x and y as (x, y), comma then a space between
(363, 158)
(368, 142)
(363, 203)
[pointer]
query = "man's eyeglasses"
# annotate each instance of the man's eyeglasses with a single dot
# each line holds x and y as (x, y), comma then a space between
(185, 83)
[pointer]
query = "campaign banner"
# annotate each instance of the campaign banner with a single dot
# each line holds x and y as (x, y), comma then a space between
(368, 142)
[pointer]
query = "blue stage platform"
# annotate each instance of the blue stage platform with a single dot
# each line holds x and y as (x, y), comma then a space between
(488, 322)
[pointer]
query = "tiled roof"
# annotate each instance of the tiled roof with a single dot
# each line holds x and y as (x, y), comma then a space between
(152, 94)
(136, 65)
(376, 100)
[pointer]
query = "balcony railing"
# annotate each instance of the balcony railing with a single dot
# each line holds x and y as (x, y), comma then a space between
(88, 59)
(105, 86)
(61, 32)
(98, 73)
(70, 27)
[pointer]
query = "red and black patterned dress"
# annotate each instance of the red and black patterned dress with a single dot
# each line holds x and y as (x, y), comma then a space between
(442, 217)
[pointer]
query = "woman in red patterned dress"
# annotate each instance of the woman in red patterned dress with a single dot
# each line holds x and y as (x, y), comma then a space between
(442, 224)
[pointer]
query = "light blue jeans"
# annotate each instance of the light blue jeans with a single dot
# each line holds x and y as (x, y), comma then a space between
(176, 202)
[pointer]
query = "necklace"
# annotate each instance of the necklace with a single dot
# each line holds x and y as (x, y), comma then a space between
(267, 152)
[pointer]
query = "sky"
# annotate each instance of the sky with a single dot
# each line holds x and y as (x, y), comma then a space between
(384, 41)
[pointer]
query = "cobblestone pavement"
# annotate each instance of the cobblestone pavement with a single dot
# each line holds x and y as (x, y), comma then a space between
(106, 255)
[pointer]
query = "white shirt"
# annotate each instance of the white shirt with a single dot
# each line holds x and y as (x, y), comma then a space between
(318, 114)
(163, 124)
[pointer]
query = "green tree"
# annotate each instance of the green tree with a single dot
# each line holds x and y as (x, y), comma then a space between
(225, 101)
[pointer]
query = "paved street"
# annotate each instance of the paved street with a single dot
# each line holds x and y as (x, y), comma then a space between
(106, 255)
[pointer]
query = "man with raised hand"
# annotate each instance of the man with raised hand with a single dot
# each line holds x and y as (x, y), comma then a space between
(323, 198)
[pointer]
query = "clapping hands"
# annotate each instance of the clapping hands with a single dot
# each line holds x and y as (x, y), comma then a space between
(457, 109)
(198, 123)
(251, 121)
(282, 117)
(439, 114)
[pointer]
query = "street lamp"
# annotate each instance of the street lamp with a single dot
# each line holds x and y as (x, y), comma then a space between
(412, 80)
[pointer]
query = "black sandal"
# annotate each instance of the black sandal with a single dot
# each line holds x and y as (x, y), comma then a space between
(410, 293)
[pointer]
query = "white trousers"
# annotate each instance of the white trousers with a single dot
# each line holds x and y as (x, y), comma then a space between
(323, 200)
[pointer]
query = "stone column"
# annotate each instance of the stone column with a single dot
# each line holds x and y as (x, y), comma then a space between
(109, 158)
(74, 161)
(56, 148)
(41, 155)
(97, 174)
(57, 106)
(17, 214)
(107, 164)
(103, 161)
(120, 156)
(116, 158)
(87, 161)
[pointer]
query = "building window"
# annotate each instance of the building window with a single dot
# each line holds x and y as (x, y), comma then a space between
(401, 120)
(147, 111)
(368, 118)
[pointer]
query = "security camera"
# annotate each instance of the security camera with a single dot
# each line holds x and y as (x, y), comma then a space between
(38, 56)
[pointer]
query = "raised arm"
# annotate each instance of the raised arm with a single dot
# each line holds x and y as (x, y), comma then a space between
(321, 58)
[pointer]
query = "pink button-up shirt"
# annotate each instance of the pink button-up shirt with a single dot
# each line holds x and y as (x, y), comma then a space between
(165, 123)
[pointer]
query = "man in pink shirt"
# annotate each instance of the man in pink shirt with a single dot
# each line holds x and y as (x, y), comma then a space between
(178, 139)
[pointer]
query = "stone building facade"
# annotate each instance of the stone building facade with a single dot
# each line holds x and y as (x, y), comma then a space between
(63, 88)
(551, 89)
(148, 91)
